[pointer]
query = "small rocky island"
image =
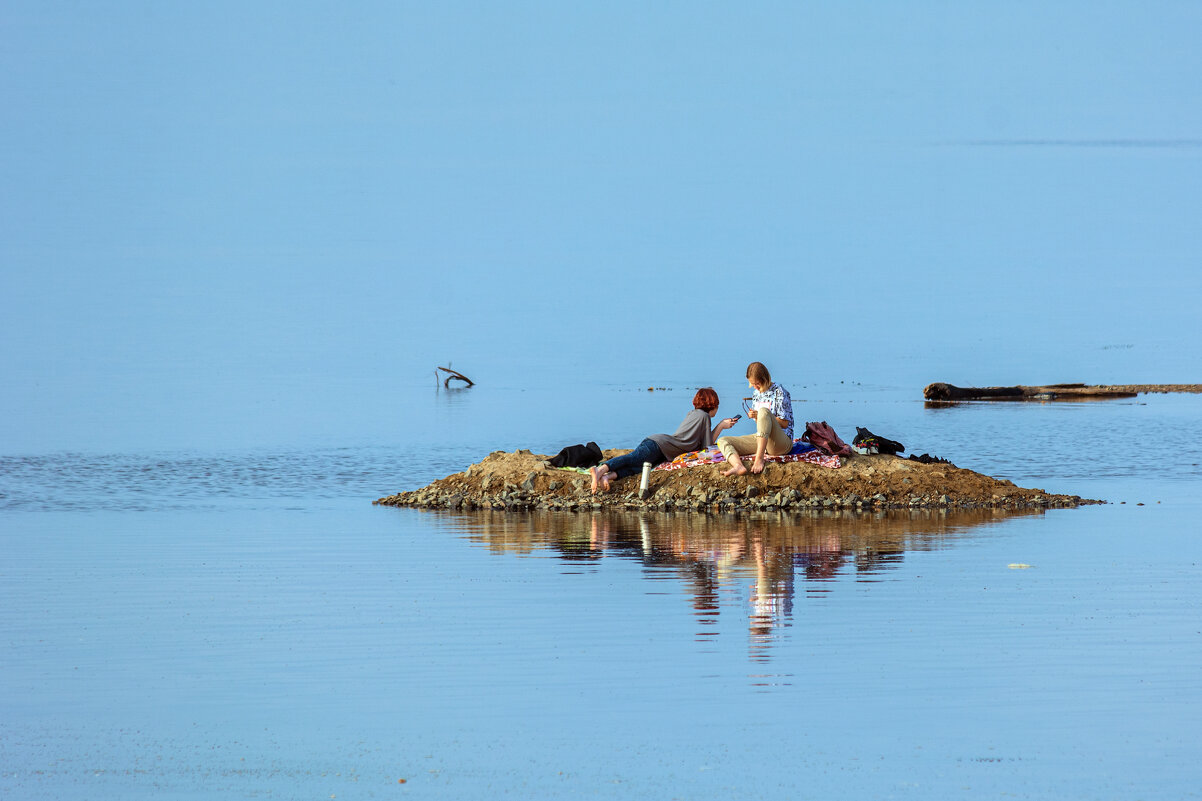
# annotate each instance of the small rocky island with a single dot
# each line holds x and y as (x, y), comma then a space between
(522, 480)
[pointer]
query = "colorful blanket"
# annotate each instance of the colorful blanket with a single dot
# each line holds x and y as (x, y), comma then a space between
(802, 452)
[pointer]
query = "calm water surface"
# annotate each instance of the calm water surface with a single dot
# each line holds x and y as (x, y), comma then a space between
(245, 624)
(236, 238)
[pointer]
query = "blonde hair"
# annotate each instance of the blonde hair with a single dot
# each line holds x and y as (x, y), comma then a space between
(758, 374)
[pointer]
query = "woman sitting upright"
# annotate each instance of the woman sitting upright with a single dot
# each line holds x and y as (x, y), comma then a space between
(772, 410)
(693, 435)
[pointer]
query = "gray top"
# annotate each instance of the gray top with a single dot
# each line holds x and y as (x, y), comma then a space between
(693, 435)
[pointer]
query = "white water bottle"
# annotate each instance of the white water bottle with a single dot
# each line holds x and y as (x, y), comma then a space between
(645, 479)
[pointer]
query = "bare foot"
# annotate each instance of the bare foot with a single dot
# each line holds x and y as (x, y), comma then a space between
(736, 468)
(601, 478)
(757, 466)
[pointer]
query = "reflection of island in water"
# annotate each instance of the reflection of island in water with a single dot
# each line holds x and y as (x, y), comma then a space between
(763, 560)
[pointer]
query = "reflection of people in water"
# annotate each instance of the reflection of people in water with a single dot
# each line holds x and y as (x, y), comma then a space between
(773, 593)
(760, 561)
(771, 597)
(598, 535)
(710, 555)
(707, 562)
(823, 561)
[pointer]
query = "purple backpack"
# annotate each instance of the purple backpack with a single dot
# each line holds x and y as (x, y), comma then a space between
(824, 438)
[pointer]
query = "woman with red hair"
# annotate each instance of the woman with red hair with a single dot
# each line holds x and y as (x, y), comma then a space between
(694, 434)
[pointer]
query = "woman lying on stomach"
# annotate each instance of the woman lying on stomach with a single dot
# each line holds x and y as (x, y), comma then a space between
(693, 435)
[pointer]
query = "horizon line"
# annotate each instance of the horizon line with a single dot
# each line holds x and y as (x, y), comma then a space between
(1132, 143)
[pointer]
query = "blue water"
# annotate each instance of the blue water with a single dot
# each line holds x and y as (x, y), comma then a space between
(236, 240)
(244, 623)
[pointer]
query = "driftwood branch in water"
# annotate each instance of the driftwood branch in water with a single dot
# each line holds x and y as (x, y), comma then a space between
(455, 374)
(949, 392)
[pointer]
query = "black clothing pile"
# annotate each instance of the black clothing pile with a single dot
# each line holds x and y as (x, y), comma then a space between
(577, 456)
(867, 442)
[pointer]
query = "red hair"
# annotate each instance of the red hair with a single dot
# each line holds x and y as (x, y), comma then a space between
(706, 399)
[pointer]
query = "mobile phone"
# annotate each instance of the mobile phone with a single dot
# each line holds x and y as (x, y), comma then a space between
(736, 418)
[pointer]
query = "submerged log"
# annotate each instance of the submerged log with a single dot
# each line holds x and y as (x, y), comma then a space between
(941, 391)
(454, 374)
(949, 392)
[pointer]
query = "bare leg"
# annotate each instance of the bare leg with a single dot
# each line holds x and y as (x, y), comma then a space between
(761, 445)
(730, 449)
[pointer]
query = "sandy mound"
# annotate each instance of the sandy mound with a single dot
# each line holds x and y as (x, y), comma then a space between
(523, 480)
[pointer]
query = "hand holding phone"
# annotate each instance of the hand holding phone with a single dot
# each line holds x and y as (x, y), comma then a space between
(735, 419)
